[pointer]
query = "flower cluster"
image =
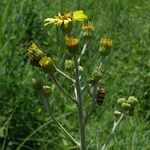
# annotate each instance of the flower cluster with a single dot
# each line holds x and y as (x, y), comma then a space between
(38, 58)
(65, 21)
(126, 106)
(66, 18)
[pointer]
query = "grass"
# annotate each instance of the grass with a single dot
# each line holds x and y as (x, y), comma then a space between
(126, 72)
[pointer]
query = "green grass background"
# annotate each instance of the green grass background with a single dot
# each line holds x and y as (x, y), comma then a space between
(126, 73)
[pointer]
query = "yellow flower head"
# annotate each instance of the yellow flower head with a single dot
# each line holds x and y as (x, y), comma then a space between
(79, 15)
(35, 54)
(66, 18)
(106, 42)
(72, 44)
(88, 26)
(47, 64)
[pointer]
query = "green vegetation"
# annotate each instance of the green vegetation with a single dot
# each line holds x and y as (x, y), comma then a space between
(22, 119)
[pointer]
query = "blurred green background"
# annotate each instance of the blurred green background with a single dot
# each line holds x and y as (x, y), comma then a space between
(126, 73)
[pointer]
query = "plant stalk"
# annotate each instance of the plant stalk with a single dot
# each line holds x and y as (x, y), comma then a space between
(80, 107)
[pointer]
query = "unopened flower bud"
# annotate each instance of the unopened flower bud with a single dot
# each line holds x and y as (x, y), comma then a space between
(97, 75)
(120, 101)
(90, 80)
(73, 45)
(125, 106)
(81, 69)
(132, 101)
(47, 64)
(35, 54)
(117, 113)
(37, 83)
(46, 91)
(69, 65)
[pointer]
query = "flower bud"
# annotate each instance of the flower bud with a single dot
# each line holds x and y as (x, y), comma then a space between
(73, 45)
(90, 80)
(97, 75)
(47, 64)
(117, 113)
(120, 101)
(81, 69)
(69, 65)
(46, 91)
(125, 106)
(37, 83)
(35, 54)
(106, 45)
(132, 101)
(87, 29)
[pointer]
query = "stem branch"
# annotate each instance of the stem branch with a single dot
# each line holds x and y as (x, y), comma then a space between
(61, 128)
(65, 75)
(113, 131)
(61, 89)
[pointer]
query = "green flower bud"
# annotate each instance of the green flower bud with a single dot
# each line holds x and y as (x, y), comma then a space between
(69, 65)
(37, 83)
(80, 69)
(125, 106)
(46, 91)
(117, 113)
(90, 80)
(97, 75)
(132, 101)
(47, 64)
(120, 101)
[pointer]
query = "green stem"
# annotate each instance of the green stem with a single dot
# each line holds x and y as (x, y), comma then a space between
(61, 89)
(61, 128)
(65, 75)
(113, 131)
(80, 107)
(82, 52)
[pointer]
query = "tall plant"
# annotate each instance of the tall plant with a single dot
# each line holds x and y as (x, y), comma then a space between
(92, 85)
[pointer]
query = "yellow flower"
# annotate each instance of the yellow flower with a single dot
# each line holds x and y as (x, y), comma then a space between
(88, 26)
(79, 15)
(66, 18)
(60, 19)
(47, 64)
(35, 54)
(106, 42)
(106, 45)
(72, 44)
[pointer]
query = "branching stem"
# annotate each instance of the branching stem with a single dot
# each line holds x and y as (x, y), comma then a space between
(61, 89)
(82, 52)
(65, 75)
(80, 106)
(61, 128)
(116, 124)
